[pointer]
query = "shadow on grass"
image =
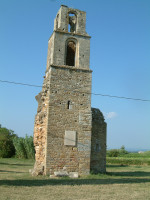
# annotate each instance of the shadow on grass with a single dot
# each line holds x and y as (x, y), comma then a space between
(3, 171)
(16, 164)
(136, 174)
(72, 182)
(117, 165)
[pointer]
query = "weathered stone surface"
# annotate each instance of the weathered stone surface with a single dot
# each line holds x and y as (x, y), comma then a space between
(69, 138)
(61, 173)
(73, 174)
(98, 142)
(38, 169)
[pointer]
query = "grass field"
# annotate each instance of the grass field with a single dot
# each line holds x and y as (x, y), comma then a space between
(121, 182)
(131, 159)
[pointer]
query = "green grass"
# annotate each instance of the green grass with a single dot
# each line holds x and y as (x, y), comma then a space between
(128, 161)
(145, 154)
(131, 159)
(121, 182)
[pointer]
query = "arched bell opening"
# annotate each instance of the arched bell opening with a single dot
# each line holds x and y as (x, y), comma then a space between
(72, 22)
(71, 53)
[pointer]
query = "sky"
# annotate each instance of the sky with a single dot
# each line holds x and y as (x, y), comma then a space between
(119, 58)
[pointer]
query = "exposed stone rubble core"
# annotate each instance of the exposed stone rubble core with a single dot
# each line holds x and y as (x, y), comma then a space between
(40, 129)
(69, 137)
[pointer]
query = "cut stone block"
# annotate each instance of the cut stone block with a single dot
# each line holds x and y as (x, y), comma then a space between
(70, 138)
(61, 173)
(73, 175)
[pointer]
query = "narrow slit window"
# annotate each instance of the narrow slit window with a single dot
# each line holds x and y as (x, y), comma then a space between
(69, 105)
(97, 148)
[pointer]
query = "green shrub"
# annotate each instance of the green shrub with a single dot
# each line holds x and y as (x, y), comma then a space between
(29, 147)
(24, 147)
(117, 152)
(122, 151)
(113, 153)
(19, 147)
(7, 149)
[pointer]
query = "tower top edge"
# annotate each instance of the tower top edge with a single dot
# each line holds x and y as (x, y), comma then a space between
(64, 5)
(71, 9)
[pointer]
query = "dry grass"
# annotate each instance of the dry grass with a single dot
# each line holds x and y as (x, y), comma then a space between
(121, 182)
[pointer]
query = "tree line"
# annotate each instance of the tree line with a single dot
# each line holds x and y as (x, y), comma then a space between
(13, 146)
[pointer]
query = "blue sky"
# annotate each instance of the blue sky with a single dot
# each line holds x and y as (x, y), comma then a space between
(120, 60)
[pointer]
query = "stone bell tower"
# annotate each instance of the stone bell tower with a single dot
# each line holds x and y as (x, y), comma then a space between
(63, 124)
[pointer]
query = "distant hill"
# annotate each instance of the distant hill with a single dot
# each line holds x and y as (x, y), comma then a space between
(136, 150)
(132, 149)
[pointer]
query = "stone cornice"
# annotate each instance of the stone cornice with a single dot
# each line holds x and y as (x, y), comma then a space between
(70, 33)
(72, 68)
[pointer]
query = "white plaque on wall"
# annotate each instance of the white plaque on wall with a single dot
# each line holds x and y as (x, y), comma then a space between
(70, 138)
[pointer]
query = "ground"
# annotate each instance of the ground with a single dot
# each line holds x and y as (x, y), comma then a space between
(121, 182)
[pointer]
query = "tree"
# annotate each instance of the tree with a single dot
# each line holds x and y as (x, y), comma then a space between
(122, 150)
(24, 147)
(113, 153)
(7, 149)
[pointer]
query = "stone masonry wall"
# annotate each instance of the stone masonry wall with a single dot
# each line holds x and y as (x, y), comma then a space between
(98, 142)
(40, 129)
(73, 86)
(62, 20)
(82, 52)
